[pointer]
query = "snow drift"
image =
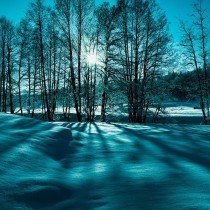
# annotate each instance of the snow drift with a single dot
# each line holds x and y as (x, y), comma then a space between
(31, 152)
(105, 166)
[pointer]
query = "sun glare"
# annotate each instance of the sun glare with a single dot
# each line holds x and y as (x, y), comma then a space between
(92, 59)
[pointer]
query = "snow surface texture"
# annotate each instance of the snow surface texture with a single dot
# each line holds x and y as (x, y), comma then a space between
(105, 166)
(30, 155)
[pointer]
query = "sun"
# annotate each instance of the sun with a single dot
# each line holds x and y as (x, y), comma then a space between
(92, 58)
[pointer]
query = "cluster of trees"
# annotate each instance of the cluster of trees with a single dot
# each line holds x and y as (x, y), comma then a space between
(45, 61)
(196, 47)
(183, 86)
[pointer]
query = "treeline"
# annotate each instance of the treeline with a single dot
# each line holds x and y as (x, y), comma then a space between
(75, 54)
(183, 86)
(47, 57)
(195, 43)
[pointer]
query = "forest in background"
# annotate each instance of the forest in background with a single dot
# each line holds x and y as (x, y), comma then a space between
(75, 54)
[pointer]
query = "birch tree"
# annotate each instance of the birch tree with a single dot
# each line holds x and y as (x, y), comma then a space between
(106, 16)
(38, 15)
(64, 10)
(196, 51)
(145, 42)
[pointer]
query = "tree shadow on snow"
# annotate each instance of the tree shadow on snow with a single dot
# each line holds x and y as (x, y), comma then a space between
(150, 168)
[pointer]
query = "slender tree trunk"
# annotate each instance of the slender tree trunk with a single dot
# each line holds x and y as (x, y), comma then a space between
(19, 81)
(198, 76)
(105, 87)
(34, 84)
(3, 74)
(43, 71)
(9, 68)
(73, 79)
(79, 53)
(29, 87)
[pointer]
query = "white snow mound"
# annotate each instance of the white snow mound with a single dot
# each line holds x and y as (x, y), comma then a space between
(31, 152)
(106, 166)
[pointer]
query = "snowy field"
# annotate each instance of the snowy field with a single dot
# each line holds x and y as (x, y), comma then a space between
(174, 113)
(65, 166)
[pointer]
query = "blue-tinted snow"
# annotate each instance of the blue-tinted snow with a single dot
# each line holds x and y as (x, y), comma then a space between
(105, 166)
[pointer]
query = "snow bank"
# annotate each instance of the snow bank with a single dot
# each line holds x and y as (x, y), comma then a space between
(132, 166)
(105, 166)
(31, 153)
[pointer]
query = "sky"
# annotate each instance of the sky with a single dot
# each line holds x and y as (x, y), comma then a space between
(15, 9)
(174, 9)
(177, 10)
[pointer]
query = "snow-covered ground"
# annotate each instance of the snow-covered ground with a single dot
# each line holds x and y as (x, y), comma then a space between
(65, 166)
(173, 112)
(185, 109)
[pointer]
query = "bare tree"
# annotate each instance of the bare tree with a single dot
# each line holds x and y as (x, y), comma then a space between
(195, 46)
(37, 15)
(23, 57)
(145, 41)
(7, 64)
(10, 64)
(64, 19)
(106, 16)
(91, 76)
(3, 27)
